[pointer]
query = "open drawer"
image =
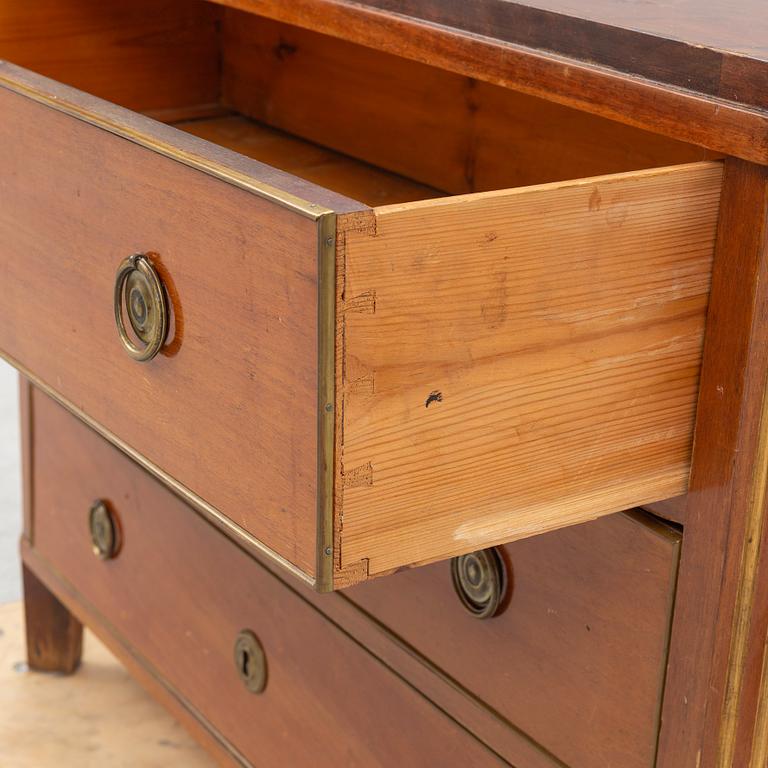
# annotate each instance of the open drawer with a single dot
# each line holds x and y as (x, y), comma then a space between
(348, 387)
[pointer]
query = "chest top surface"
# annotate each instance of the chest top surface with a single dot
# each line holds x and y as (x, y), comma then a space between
(716, 48)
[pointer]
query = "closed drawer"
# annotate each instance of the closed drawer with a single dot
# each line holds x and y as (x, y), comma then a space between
(576, 658)
(347, 389)
(179, 594)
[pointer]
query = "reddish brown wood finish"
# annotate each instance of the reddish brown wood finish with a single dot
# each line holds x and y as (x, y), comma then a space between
(749, 702)
(184, 147)
(455, 133)
(670, 509)
(145, 55)
(54, 635)
(234, 395)
(696, 74)
(709, 702)
(224, 754)
(577, 658)
(509, 742)
(714, 47)
(179, 593)
(242, 276)
(342, 173)
(689, 116)
(721, 502)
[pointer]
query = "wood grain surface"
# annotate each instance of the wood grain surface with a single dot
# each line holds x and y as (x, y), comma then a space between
(519, 361)
(341, 173)
(511, 743)
(212, 742)
(457, 703)
(180, 146)
(145, 55)
(728, 25)
(719, 631)
(713, 47)
(179, 593)
(54, 635)
(456, 133)
(271, 384)
(692, 72)
(234, 394)
(688, 115)
(587, 622)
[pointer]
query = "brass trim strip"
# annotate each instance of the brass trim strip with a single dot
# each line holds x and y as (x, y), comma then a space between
(220, 171)
(759, 755)
(326, 399)
(742, 618)
(211, 513)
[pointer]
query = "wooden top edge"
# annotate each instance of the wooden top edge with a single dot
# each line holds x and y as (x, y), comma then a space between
(303, 197)
(697, 168)
(691, 44)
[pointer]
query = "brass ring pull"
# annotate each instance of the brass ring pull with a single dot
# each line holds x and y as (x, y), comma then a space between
(480, 580)
(139, 288)
(105, 531)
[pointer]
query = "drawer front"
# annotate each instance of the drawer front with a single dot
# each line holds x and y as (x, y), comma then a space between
(234, 393)
(179, 592)
(577, 656)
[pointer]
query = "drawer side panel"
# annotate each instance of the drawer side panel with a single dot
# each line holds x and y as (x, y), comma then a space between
(518, 361)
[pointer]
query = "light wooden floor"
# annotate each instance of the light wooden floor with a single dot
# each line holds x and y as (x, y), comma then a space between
(97, 718)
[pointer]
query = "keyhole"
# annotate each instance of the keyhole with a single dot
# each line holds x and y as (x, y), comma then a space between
(245, 664)
(250, 662)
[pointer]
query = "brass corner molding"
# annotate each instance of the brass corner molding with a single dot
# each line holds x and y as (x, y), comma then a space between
(326, 399)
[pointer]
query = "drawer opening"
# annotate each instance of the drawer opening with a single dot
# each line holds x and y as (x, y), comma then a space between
(367, 124)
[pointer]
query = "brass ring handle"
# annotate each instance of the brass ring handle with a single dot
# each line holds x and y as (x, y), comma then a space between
(480, 580)
(146, 306)
(105, 531)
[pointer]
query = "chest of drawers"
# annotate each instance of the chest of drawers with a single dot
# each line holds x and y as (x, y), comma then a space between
(306, 295)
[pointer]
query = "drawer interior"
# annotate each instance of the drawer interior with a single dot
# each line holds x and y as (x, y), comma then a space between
(367, 124)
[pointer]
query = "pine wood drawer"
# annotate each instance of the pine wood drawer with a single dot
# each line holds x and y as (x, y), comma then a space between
(351, 389)
(179, 593)
(577, 657)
